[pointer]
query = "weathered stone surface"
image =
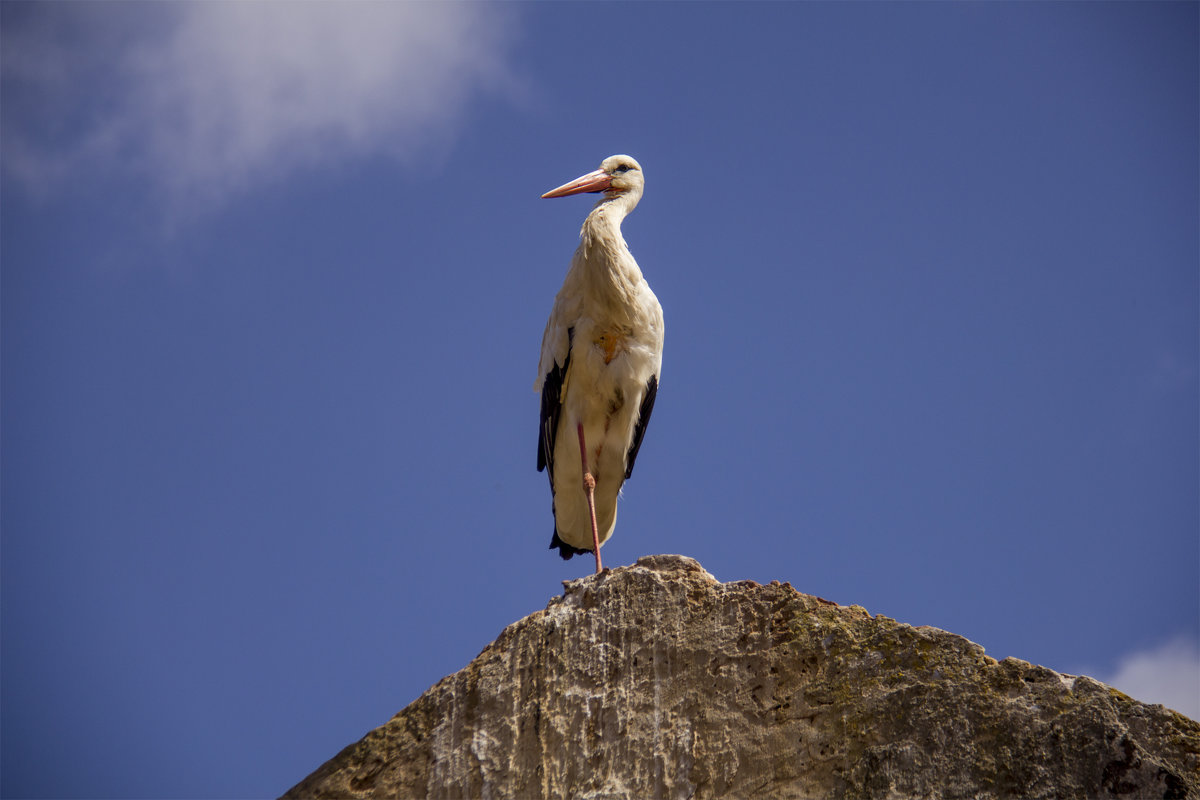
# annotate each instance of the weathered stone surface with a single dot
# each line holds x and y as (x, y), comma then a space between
(656, 681)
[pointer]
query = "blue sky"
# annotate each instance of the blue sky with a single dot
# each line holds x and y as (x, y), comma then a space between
(274, 279)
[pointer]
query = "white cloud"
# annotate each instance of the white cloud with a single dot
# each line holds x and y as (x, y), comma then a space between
(204, 98)
(1169, 674)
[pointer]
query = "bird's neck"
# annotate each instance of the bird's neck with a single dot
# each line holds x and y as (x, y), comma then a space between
(603, 225)
(610, 211)
(607, 264)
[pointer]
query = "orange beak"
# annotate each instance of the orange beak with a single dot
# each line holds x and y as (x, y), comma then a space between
(596, 181)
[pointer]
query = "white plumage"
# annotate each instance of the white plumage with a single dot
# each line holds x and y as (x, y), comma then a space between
(601, 358)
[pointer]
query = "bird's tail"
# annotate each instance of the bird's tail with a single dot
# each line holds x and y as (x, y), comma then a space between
(565, 550)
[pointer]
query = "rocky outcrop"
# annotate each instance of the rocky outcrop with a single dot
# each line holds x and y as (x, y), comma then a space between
(657, 681)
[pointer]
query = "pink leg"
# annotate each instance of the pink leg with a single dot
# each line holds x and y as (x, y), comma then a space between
(589, 486)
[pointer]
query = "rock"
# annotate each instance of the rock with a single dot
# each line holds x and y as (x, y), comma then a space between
(657, 681)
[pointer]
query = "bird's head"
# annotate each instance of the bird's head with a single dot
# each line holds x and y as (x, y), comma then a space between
(618, 176)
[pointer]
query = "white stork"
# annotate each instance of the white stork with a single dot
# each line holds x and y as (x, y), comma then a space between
(598, 375)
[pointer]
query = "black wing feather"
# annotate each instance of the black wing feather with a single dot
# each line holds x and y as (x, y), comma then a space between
(551, 410)
(639, 430)
(548, 432)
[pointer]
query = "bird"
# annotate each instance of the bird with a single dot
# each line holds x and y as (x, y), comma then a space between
(599, 368)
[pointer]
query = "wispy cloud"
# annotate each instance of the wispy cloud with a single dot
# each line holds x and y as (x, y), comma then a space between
(205, 99)
(1169, 674)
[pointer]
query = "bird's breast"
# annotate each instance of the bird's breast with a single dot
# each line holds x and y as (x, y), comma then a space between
(611, 343)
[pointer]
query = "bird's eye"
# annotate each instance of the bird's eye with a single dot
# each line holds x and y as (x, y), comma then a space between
(621, 170)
